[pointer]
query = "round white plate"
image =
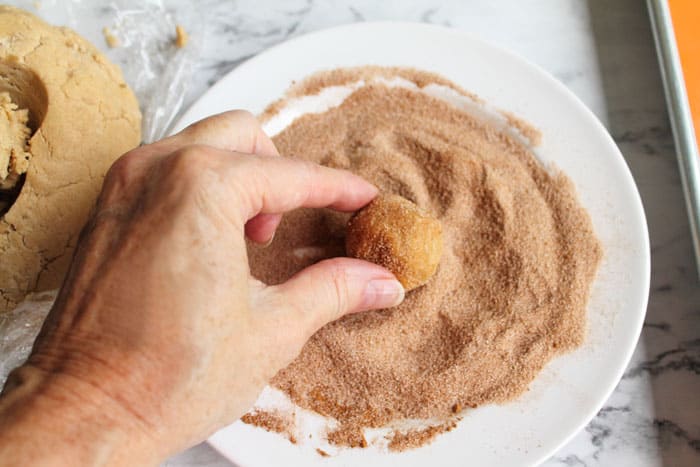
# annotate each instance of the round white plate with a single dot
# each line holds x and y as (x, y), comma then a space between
(573, 387)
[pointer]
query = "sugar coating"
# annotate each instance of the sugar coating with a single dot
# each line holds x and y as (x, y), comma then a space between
(395, 233)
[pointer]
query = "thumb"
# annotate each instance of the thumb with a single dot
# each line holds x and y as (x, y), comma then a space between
(332, 288)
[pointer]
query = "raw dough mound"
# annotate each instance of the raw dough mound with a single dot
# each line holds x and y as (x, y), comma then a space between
(83, 116)
(14, 139)
(395, 233)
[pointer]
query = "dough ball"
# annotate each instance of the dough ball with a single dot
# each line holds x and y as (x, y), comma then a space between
(68, 114)
(393, 232)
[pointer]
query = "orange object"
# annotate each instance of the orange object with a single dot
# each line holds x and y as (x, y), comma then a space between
(678, 45)
(685, 15)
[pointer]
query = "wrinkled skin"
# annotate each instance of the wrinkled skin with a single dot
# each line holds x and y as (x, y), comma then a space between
(159, 335)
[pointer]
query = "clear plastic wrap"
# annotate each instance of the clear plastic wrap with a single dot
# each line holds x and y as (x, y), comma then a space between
(154, 66)
(143, 44)
(19, 328)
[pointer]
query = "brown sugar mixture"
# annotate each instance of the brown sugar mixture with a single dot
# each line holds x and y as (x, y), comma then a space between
(510, 291)
(402, 441)
(271, 421)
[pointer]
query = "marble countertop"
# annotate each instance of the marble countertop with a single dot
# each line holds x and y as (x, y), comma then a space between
(604, 52)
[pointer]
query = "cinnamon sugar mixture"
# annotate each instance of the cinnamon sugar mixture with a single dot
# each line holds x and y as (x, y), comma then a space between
(402, 441)
(511, 289)
(272, 421)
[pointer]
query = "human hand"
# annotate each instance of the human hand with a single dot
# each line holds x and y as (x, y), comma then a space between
(159, 335)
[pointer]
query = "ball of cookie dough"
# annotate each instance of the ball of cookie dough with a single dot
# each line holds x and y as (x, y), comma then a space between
(393, 232)
(68, 114)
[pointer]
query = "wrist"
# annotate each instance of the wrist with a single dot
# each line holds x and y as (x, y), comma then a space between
(53, 418)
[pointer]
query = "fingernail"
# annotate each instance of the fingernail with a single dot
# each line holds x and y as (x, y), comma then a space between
(269, 242)
(382, 293)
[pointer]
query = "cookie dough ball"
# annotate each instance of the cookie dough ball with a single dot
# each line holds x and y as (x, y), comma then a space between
(395, 233)
(81, 116)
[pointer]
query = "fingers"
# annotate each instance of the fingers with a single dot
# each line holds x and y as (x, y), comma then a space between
(236, 130)
(277, 185)
(240, 131)
(271, 185)
(332, 288)
(261, 228)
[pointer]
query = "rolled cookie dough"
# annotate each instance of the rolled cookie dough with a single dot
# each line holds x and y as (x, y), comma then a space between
(395, 233)
(83, 116)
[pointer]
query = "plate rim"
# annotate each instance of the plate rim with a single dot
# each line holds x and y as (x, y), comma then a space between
(645, 276)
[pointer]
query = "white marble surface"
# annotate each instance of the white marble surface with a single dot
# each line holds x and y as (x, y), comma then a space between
(603, 51)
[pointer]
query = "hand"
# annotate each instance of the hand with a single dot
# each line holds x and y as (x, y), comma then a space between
(159, 335)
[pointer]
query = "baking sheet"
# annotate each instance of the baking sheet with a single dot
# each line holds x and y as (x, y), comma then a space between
(677, 98)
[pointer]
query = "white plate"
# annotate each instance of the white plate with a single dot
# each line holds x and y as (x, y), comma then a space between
(572, 388)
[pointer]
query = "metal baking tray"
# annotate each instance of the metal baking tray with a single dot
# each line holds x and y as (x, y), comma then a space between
(684, 132)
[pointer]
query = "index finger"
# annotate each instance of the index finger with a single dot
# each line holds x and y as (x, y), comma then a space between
(274, 185)
(235, 130)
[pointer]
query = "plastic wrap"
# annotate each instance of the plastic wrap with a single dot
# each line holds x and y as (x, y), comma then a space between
(19, 328)
(156, 69)
(143, 37)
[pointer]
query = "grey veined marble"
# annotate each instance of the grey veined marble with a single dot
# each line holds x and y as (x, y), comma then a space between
(604, 52)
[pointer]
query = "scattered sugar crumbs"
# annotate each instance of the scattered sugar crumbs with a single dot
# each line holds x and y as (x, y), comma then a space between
(411, 439)
(272, 421)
